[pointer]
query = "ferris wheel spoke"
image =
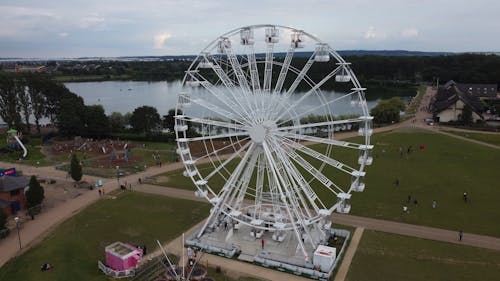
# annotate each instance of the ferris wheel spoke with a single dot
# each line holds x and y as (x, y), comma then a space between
(301, 187)
(236, 108)
(311, 91)
(228, 186)
(211, 122)
(254, 73)
(226, 161)
(300, 76)
(244, 182)
(216, 109)
(317, 155)
(268, 68)
(316, 108)
(284, 71)
(259, 187)
(320, 124)
(318, 175)
(216, 152)
(321, 140)
(235, 64)
(211, 137)
(231, 89)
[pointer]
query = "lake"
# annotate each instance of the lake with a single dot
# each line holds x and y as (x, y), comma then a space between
(125, 96)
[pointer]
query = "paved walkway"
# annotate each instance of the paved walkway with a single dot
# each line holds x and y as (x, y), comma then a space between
(349, 254)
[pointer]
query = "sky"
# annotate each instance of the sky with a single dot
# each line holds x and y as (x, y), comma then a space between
(79, 28)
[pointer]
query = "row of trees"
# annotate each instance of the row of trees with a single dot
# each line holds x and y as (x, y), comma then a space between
(27, 96)
(470, 68)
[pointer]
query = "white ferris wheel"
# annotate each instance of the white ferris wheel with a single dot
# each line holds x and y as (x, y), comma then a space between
(257, 132)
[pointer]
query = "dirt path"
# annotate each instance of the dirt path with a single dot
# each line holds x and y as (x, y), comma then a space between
(349, 254)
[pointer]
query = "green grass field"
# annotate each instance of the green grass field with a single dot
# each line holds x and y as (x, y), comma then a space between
(488, 138)
(75, 246)
(442, 172)
(381, 257)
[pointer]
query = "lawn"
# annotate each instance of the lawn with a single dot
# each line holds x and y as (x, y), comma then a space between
(488, 138)
(445, 169)
(382, 256)
(75, 246)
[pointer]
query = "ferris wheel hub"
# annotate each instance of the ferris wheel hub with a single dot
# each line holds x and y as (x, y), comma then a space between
(258, 133)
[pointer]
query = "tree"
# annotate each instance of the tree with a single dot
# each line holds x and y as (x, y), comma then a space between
(169, 120)
(144, 119)
(36, 86)
(96, 121)
(466, 116)
(76, 168)
(9, 105)
(3, 219)
(70, 119)
(387, 111)
(116, 122)
(35, 193)
(23, 98)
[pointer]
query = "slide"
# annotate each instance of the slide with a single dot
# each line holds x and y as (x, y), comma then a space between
(25, 153)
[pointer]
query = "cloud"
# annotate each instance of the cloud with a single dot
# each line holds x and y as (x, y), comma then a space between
(92, 21)
(63, 34)
(372, 33)
(409, 32)
(160, 39)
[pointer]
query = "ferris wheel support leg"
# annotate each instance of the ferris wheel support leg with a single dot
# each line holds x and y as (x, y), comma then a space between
(279, 180)
(224, 194)
(294, 173)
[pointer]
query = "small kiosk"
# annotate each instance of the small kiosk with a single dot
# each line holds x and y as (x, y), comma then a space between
(121, 260)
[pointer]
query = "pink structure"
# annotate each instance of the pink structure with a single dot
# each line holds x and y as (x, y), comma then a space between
(121, 256)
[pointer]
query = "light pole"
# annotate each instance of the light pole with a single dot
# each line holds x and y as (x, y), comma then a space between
(118, 174)
(16, 219)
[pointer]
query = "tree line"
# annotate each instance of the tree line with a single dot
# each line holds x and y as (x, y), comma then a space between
(26, 96)
(466, 68)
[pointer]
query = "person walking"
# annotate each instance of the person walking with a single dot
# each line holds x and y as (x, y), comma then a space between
(460, 235)
(434, 204)
(465, 197)
(262, 242)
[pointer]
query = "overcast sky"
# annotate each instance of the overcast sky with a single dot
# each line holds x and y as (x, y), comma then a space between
(76, 28)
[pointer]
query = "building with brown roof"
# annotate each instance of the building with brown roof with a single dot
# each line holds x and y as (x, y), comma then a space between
(449, 102)
(12, 198)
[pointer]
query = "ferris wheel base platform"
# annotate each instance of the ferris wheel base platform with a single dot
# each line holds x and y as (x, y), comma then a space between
(265, 251)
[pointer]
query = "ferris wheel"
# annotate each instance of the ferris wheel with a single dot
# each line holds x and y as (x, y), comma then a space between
(258, 124)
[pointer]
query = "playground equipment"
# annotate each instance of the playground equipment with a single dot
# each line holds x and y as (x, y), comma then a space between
(14, 142)
(277, 187)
